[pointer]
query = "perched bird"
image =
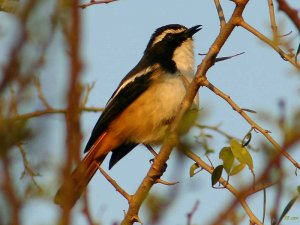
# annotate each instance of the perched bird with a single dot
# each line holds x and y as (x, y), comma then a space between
(142, 107)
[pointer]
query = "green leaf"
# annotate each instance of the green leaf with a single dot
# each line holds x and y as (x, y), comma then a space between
(236, 150)
(297, 53)
(287, 208)
(216, 174)
(237, 169)
(193, 168)
(246, 140)
(241, 153)
(227, 157)
(298, 189)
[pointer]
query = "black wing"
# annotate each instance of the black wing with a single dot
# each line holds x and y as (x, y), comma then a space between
(119, 153)
(119, 101)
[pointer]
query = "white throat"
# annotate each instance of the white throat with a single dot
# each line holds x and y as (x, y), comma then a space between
(183, 56)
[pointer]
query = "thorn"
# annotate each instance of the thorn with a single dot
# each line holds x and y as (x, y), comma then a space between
(284, 35)
(166, 182)
(227, 57)
(248, 110)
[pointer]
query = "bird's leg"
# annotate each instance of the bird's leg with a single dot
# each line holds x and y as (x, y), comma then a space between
(154, 153)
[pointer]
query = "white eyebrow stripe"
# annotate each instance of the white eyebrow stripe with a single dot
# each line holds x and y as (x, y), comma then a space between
(163, 34)
(131, 79)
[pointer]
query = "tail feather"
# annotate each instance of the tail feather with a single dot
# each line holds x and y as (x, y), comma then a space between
(73, 186)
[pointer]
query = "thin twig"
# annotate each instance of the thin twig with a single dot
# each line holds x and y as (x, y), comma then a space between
(94, 2)
(254, 125)
(260, 187)
(273, 20)
(115, 184)
(15, 202)
(89, 88)
(216, 129)
(39, 113)
(13, 109)
(192, 212)
(86, 210)
(283, 55)
(220, 13)
(41, 95)
(28, 167)
(290, 12)
(11, 71)
(240, 196)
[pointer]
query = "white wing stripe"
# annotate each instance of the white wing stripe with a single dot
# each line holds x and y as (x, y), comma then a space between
(131, 79)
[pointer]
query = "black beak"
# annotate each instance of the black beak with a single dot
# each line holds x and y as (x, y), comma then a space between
(190, 32)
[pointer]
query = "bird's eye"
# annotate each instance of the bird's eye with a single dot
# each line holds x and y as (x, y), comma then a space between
(168, 36)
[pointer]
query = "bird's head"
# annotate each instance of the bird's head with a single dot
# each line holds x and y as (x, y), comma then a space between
(173, 45)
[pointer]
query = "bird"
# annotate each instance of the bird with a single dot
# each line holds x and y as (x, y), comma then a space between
(142, 107)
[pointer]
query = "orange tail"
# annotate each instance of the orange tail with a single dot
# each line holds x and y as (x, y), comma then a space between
(72, 187)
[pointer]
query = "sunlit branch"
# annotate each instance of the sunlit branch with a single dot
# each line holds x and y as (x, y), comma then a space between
(220, 13)
(115, 184)
(293, 14)
(254, 125)
(94, 2)
(283, 55)
(239, 196)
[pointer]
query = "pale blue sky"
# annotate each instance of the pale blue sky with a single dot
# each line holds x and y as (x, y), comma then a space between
(114, 37)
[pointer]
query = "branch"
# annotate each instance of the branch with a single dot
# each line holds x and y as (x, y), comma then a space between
(240, 196)
(28, 167)
(14, 201)
(73, 94)
(86, 210)
(44, 112)
(11, 71)
(290, 12)
(94, 2)
(41, 95)
(115, 184)
(154, 174)
(220, 13)
(283, 55)
(216, 129)
(272, 19)
(254, 125)
(192, 212)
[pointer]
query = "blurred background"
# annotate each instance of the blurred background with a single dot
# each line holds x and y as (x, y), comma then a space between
(35, 51)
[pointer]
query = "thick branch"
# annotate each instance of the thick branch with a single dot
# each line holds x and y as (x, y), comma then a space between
(155, 172)
(73, 129)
